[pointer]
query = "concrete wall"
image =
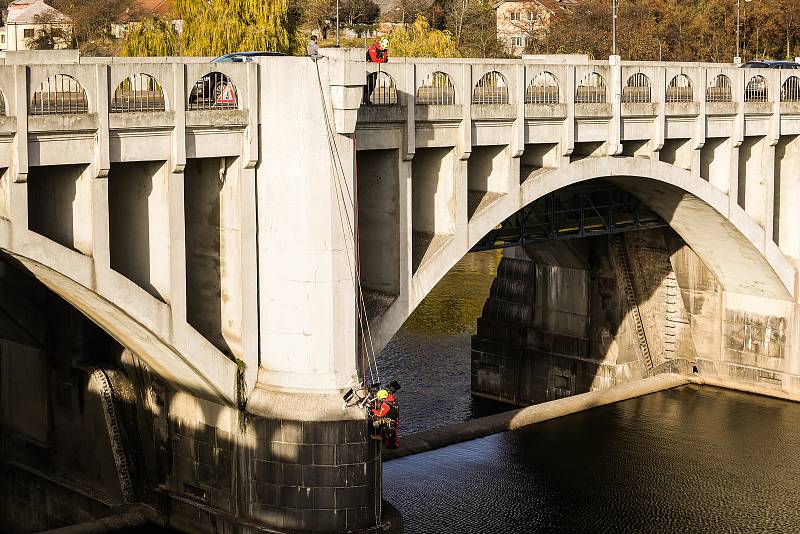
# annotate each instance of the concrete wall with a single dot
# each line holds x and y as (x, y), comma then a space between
(138, 209)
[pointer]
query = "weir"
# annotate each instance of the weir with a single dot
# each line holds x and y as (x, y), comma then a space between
(180, 319)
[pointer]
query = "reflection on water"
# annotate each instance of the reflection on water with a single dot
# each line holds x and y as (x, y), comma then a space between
(686, 460)
(430, 355)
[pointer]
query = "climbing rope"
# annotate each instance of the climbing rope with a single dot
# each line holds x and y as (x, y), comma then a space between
(344, 198)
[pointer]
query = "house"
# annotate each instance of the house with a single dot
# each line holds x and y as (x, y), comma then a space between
(26, 19)
(144, 9)
(519, 21)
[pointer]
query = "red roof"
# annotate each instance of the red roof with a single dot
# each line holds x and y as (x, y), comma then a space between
(149, 8)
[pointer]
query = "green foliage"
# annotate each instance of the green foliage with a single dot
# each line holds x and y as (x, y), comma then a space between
(217, 27)
(152, 37)
(419, 40)
(478, 37)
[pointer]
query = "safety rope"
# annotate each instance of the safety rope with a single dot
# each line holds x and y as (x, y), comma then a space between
(343, 199)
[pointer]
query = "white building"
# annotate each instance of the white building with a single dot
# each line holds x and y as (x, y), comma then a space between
(24, 19)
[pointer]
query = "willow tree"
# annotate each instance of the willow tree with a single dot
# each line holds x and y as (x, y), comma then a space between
(216, 27)
(419, 40)
(152, 37)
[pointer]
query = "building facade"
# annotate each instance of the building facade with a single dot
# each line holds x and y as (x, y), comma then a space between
(521, 21)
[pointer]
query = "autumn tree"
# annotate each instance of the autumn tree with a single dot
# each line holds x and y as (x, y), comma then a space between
(152, 37)
(419, 40)
(478, 33)
(217, 27)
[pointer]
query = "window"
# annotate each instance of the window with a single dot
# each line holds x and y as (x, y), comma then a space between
(3, 38)
(518, 41)
(514, 15)
(531, 16)
(27, 33)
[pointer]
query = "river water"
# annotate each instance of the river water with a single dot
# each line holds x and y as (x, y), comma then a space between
(687, 460)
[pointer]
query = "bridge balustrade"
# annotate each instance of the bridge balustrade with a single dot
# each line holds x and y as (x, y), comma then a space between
(492, 88)
(637, 89)
(680, 89)
(138, 93)
(59, 94)
(790, 90)
(591, 90)
(719, 89)
(437, 89)
(380, 90)
(756, 89)
(542, 89)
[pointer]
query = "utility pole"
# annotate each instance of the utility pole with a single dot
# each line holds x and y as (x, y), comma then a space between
(337, 23)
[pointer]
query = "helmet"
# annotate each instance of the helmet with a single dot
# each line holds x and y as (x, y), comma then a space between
(384, 43)
(381, 394)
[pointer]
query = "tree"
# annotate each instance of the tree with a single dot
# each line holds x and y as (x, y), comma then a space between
(91, 22)
(152, 37)
(353, 12)
(318, 13)
(52, 33)
(420, 40)
(217, 27)
(479, 31)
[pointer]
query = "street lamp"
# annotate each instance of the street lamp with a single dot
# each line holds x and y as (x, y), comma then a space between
(614, 27)
(738, 58)
(337, 23)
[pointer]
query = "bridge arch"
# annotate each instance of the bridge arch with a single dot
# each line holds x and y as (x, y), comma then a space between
(731, 244)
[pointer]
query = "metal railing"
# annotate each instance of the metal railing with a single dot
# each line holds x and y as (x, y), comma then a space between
(719, 89)
(214, 91)
(491, 89)
(637, 89)
(380, 90)
(756, 89)
(591, 90)
(790, 90)
(59, 94)
(436, 90)
(679, 89)
(138, 93)
(543, 89)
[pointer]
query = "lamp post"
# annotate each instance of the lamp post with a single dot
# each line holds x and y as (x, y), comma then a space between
(614, 27)
(337, 23)
(738, 58)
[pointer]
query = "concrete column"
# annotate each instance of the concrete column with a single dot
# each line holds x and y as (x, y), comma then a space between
(177, 245)
(699, 138)
(314, 466)
(786, 229)
(615, 124)
(465, 148)
(568, 129)
(518, 139)
(660, 99)
(102, 156)
(179, 131)
(737, 138)
(409, 99)
(21, 112)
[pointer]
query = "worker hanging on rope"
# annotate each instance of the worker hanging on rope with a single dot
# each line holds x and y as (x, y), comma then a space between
(385, 415)
(379, 51)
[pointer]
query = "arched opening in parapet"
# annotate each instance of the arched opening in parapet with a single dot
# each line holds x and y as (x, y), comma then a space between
(437, 89)
(59, 94)
(719, 89)
(679, 89)
(138, 93)
(492, 88)
(591, 89)
(637, 89)
(214, 91)
(380, 90)
(569, 310)
(542, 89)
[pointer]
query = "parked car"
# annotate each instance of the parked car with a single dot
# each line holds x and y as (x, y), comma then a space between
(215, 90)
(770, 64)
(243, 57)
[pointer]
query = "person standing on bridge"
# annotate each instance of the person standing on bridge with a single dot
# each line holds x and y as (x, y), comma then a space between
(313, 47)
(379, 51)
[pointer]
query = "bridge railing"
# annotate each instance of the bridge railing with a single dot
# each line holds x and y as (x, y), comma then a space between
(593, 85)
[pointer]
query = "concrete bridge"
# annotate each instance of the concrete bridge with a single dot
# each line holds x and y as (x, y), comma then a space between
(199, 215)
